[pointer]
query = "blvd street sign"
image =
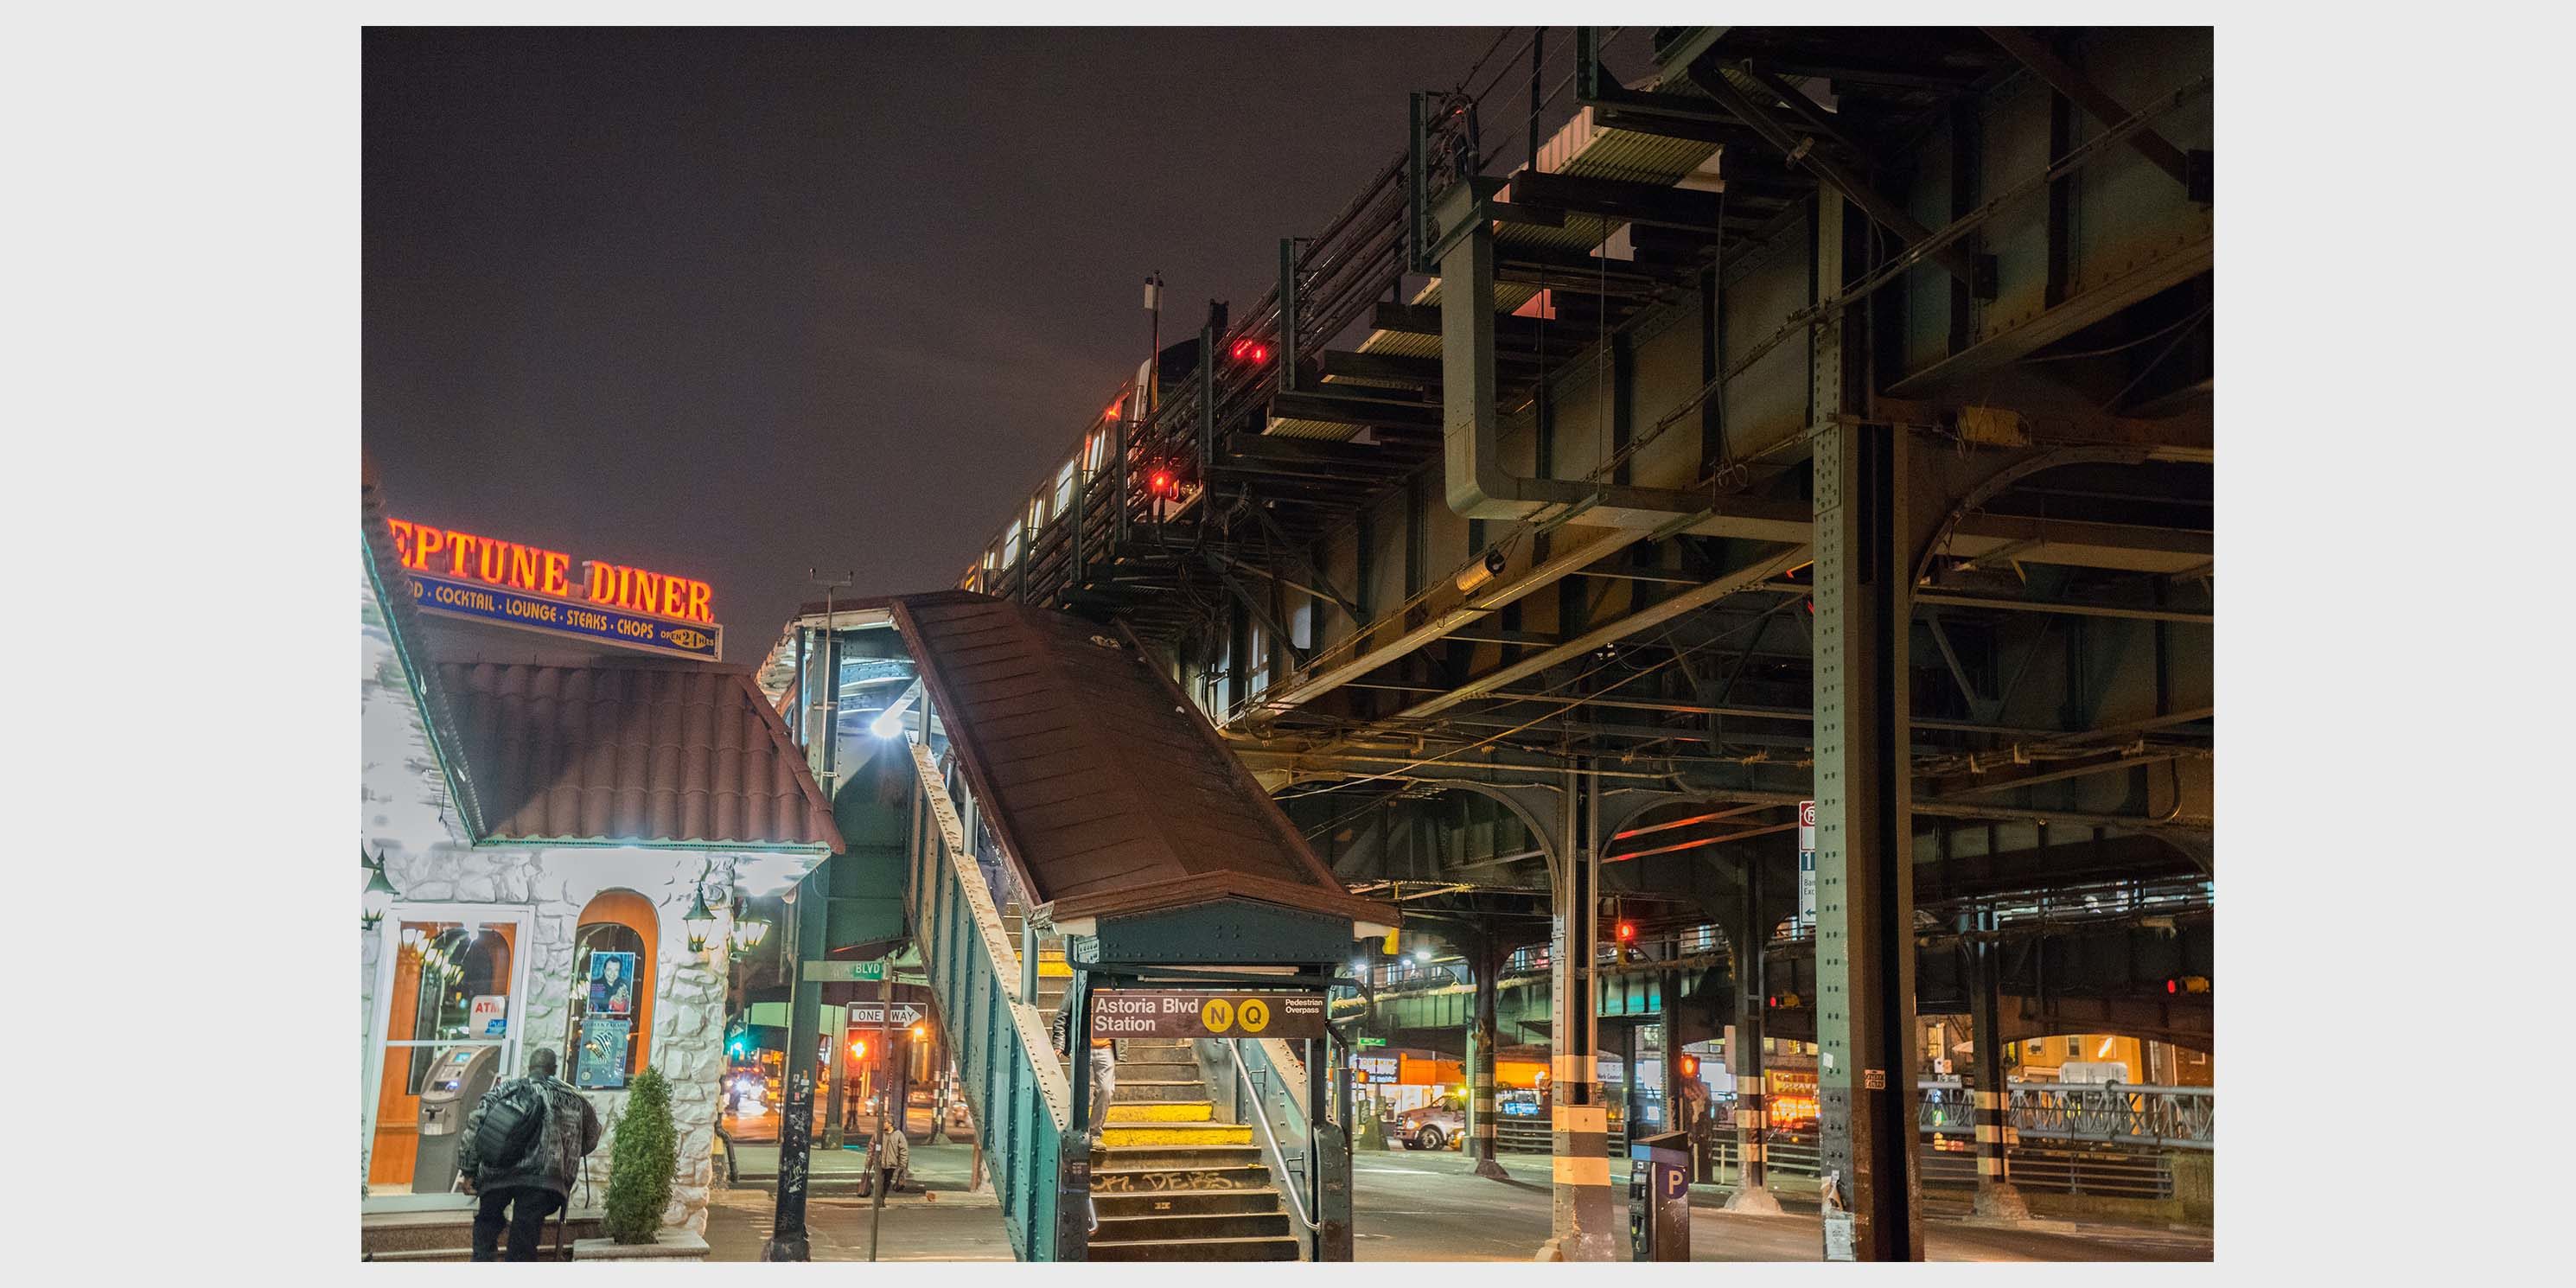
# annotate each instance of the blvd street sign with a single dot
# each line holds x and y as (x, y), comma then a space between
(1188, 1013)
(844, 972)
(873, 1013)
(1369, 1042)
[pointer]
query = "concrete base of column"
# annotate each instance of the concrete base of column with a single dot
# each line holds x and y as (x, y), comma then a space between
(1492, 1169)
(1577, 1247)
(2001, 1202)
(1754, 1200)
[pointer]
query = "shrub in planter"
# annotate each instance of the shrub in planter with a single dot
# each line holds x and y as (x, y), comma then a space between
(642, 1161)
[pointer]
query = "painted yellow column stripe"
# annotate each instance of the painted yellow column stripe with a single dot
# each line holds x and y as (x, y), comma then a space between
(1591, 1118)
(1582, 1171)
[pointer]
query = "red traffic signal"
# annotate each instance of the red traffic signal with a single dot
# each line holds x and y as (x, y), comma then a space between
(1627, 932)
(1161, 482)
(1690, 1065)
(1252, 351)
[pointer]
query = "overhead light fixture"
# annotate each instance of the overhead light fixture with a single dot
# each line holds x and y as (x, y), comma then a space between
(1481, 571)
(889, 723)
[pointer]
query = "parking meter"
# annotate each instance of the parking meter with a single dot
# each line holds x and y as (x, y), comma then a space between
(1659, 1197)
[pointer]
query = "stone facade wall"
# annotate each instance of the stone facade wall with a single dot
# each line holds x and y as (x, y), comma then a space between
(404, 813)
(687, 1040)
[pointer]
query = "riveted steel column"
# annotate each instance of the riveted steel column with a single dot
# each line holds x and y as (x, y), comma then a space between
(788, 1240)
(1996, 1195)
(1582, 1224)
(1864, 870)
(1744, 1055)
(1481, 1040)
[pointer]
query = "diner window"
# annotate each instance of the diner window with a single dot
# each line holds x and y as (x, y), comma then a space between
(611, 1016)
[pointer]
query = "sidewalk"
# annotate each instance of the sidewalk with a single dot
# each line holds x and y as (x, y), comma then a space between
(939, 1171)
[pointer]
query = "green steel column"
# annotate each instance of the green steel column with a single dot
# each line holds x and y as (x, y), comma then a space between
(787, 1240)
(1481, 1041)
(1749, 937)
(1583, 1224)
(1997, 1197)
(1864, 871)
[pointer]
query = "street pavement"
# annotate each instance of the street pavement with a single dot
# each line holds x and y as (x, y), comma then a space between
(1431, 1207)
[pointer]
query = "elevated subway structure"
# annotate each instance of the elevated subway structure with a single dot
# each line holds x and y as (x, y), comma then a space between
(1740, 416)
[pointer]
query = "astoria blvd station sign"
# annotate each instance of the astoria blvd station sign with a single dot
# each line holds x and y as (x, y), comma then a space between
(463, 575)
(1179, 1013)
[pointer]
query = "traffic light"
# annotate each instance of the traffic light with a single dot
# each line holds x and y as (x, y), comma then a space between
(918, 1030)
(2186, 984)
(1689, 1065)
(1627, 932)
(858, 1048)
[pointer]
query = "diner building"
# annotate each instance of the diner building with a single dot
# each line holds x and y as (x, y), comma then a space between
(557, 834)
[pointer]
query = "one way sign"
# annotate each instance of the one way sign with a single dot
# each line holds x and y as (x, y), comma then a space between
(873, 1014)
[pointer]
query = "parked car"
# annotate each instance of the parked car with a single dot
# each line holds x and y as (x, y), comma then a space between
(1442, 1124)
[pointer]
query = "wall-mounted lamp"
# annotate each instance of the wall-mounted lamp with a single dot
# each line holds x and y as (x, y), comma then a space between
(376, 897)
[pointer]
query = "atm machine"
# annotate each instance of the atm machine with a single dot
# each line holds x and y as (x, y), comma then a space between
(458, 1077)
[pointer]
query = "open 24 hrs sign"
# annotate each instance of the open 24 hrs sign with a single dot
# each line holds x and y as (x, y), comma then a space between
(1191, 1013)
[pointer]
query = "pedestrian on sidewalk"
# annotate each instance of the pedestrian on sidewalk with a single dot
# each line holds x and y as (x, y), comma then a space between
(541, 1129)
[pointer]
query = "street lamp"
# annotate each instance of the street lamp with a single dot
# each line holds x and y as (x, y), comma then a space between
(376, 898)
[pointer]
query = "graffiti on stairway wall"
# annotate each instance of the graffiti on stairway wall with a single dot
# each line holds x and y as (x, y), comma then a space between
(1153, 1182)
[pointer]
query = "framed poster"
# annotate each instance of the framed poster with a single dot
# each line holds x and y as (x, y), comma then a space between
(612, 986)
(601, 1063)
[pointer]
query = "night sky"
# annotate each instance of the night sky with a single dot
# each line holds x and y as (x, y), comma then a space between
(735, 304)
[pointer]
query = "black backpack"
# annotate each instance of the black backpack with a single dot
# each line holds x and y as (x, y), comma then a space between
(514, 1120)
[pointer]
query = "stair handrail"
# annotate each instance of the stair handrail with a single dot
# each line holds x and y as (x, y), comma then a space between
(1261, 1120)
(955, 922)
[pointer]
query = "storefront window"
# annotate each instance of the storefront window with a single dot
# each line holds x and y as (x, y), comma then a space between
(610, 1031)
(447, 1018)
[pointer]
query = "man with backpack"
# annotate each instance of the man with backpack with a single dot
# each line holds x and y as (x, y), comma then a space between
(522, 1147)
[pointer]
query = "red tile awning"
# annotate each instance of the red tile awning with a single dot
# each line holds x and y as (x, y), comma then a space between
(643, 752)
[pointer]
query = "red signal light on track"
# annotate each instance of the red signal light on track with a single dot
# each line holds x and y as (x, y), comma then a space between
(1252, 351)
(1161, 483)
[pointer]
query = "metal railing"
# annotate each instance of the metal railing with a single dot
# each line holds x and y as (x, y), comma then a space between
(1021, 1101)
(2108, 1113)
(1265, 1104)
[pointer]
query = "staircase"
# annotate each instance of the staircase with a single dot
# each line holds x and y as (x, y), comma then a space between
(1178, 1185)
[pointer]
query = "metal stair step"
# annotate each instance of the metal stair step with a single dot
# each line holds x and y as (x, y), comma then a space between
(1137, 1092)
(1137, 1158)
(1172, 1226)
(1248, 1248)
(1185, 1134)
(1160, 1111)
(1186, 1202)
